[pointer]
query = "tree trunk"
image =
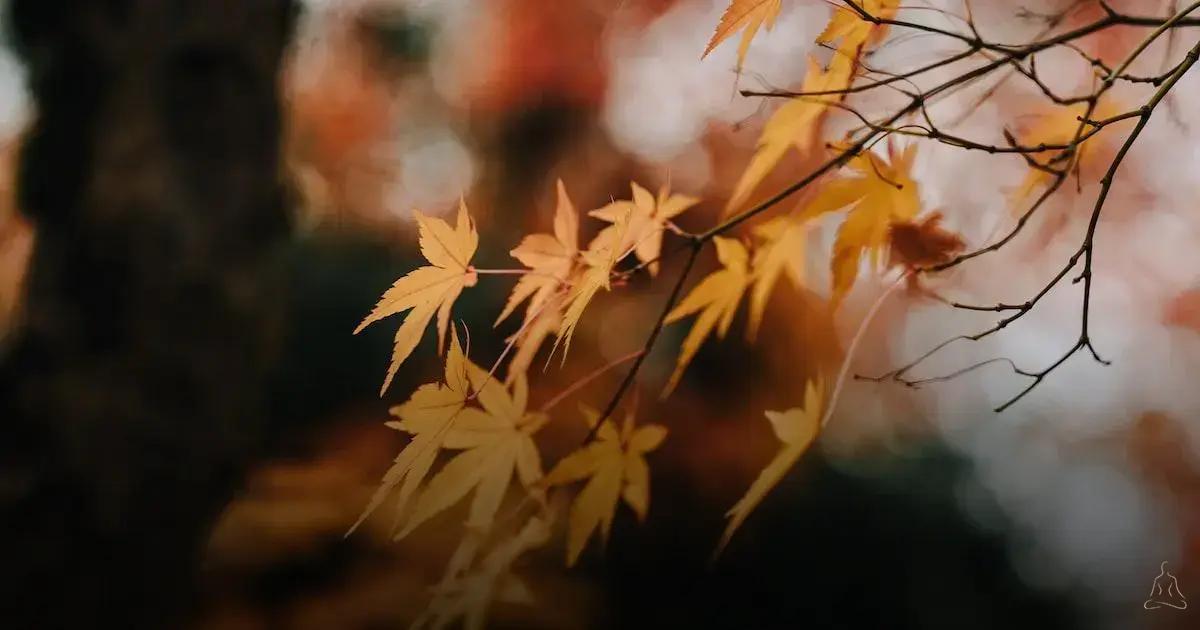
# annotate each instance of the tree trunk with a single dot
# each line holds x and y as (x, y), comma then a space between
(134, 391)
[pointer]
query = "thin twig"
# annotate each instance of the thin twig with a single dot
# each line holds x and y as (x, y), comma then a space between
(631, 375)
(583, 382)
(853, 347)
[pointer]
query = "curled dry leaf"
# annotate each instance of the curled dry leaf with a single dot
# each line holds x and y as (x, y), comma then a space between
(922, 243)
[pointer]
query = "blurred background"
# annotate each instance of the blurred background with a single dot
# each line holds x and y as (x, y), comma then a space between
(918, 510)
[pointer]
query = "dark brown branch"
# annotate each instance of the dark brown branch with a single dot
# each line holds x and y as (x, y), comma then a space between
(917, 383)
(1007, 55)
(1088, 247)
(696, 245)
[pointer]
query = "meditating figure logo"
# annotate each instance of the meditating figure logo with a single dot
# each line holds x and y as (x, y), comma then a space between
(1165, 591)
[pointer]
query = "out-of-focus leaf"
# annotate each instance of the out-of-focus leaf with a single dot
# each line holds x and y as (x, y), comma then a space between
(716, 299)
(796, 429)
(615, 467)
(747, 16)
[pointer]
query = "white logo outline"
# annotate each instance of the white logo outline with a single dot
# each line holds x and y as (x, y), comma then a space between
(1169, 596)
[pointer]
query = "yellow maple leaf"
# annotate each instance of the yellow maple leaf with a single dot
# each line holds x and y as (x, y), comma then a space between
(428, 415)
(882, 192)
(647, 219)
(747, 16)
(602, 254)
(556, 266)
(429, 290)
(496, 443)
(796, 428)
(615, 466)
(716, 298)
(781, 250)
(854, 32)
(550, 257)
(794, 125)
(468, 597)
(1059, 126)
(534, 333)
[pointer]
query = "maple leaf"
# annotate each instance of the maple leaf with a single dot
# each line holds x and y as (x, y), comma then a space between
(615, 466)
(429, 290)
(882, 193)
(428, 414)
(924, 243)
(554, 261)
(793, 125)
(469, 596)
(796, 428)
(855, 32)
(595, 278)
(747, 16)
(782, 249)
(602, 254)
(1059, 126)
(533, 334)
(647, 218)
(716, 298)
(550, 257)
(496, 443)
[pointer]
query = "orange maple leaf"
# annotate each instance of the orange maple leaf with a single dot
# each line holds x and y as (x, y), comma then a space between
(882, 192)
(747, 16)
(794, 125)
(853, 32)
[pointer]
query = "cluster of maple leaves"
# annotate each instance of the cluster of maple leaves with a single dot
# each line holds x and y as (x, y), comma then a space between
(484, 421)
